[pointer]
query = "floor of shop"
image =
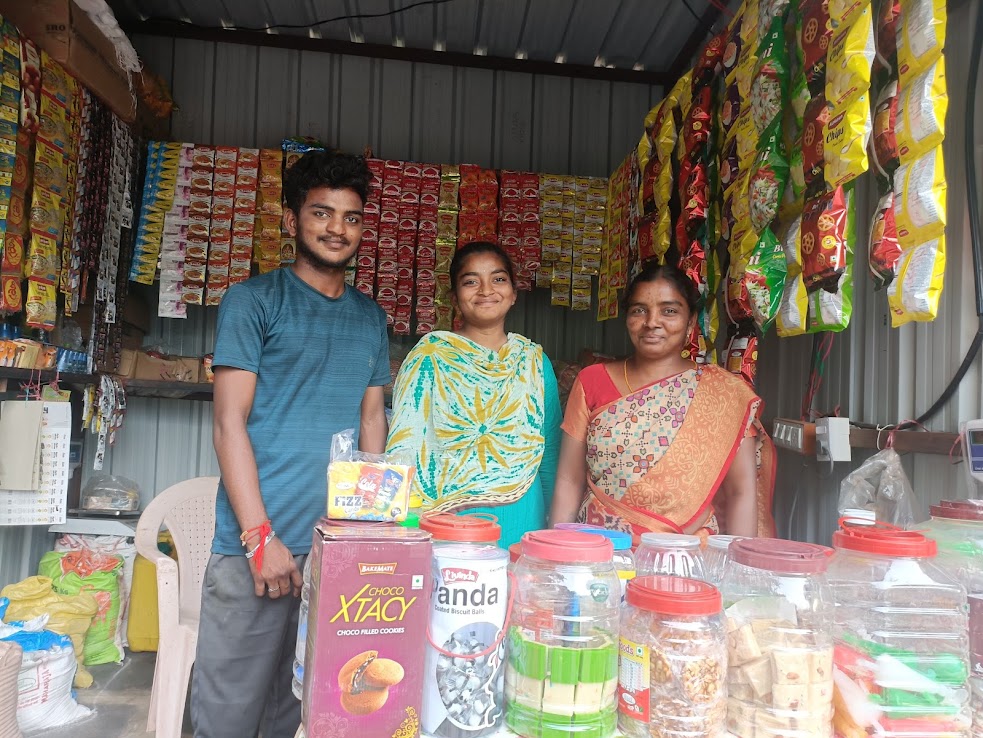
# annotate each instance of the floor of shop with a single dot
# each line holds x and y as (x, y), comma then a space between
(119, 700)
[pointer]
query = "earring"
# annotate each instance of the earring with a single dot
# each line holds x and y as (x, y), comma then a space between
(684, 353)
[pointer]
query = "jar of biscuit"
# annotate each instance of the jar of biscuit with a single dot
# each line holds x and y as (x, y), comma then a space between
(673, 659)
(901, 637)
(715, 557)
(778, 613)
(561, 674)
(670, 553)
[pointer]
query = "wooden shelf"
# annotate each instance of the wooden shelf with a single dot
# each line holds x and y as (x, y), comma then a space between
(168, 390)
(906, 441)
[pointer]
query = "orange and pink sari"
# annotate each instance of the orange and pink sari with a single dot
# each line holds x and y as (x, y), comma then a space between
(656, 458)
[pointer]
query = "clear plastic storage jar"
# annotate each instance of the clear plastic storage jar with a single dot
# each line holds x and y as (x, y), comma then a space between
(624, 559)
(900, 634)
(670, 553)
(957, 528)
(673, 668)
(562, 672)
(479, 529)
(715, 557)
(778, 611)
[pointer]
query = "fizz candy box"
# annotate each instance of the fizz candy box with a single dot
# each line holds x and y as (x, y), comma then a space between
(361, 490)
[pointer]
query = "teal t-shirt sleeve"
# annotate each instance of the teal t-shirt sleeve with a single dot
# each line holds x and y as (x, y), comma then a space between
(383, 373)
(553, 416)
(240, 331)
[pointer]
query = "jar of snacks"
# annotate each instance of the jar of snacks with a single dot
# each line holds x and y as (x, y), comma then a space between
(670, 553)
(562, 672)
(778, 617)
(624, 559)
(957, 529)
(477, 529)
(900, 634)
(672, 677)
(715, 557)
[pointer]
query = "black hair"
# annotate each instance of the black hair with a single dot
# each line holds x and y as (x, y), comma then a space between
(325, 169)
(479, 247)
(653, 272)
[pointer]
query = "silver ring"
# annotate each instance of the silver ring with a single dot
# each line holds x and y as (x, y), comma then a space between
(274, 589)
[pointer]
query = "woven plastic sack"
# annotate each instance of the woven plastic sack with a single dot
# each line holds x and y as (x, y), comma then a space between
(98, 575)
(67, 615)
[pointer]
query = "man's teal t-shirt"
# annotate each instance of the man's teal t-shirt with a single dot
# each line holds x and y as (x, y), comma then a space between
(313, 357)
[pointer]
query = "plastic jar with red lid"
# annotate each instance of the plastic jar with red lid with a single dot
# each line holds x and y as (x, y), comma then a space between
(480, 529)
(957, 528)
(778, 611)
(900, 636)
(673, 651)
(562, 672)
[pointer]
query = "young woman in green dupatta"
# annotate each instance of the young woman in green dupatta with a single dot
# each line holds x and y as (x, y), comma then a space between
(478, 408)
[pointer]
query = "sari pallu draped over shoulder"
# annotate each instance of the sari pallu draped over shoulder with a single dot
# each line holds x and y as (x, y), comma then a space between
(472, 419)
(673, 492)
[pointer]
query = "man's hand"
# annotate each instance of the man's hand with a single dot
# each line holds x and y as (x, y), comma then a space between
(279, 576)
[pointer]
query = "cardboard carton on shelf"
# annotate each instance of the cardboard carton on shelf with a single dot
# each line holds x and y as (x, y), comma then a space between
(167, 369)
(128, 363)
(66, 32)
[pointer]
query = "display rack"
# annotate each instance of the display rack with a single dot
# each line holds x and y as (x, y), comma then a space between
(202, 391)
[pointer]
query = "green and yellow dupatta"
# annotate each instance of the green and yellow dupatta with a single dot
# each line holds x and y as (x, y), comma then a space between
(472, 418)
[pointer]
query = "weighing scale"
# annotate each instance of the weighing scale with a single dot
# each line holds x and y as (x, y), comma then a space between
(972, 435)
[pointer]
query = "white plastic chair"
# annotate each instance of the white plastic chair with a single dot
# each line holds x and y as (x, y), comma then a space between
(187, 510)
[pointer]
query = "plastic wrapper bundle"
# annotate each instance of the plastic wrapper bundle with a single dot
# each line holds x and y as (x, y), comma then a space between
(98, 574)
(881, 485)
(44, 685)
(106, 492)
(363, 486)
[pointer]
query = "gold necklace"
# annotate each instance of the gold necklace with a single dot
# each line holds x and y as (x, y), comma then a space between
(627, 384)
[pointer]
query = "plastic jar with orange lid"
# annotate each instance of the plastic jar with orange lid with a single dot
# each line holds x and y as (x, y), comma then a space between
(673, 650)
(463, 690)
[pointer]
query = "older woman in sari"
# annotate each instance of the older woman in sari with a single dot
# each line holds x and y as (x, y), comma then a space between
(656, 443)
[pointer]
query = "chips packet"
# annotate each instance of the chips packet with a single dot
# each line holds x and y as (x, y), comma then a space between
(768, 178)
(765, 279)
(914, 295)
(769, 87)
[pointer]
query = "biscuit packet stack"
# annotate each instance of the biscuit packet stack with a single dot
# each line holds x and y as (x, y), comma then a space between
(368, 248)
(513, 227)
(428, 231)
(52, 152)
(244, 209)
(616, 241)
(267, 245)
(387, 277)
(199, 225)
(220, 226)
(919, 191)
(448, 216)
(13, 178)
(551, 227)
(408, 211)
(590, 213)
(172, 194)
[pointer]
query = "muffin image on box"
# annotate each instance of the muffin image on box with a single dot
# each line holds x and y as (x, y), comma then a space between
(365, 680)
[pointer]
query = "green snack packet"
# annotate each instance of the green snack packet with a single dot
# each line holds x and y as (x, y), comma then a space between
(769, 176)
(770, 85)
(765, 279)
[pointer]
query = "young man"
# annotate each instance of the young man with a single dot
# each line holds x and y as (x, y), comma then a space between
(299, 356)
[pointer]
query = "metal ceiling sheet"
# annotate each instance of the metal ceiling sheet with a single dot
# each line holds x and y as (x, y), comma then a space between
(622, 32)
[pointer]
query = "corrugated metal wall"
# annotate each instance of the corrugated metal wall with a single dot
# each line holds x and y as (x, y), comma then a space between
(246, 96)
(880, 375)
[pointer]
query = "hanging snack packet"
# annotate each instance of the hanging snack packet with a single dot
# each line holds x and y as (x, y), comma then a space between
(914, 295)
(793, 309)
(737, 302)
(41, 306)
(884, 249)
(708, 64)
(800, 98)
(765, 278)
(814, 145)
(827, 224)
(885, 124)
(845, 150)
(730, 164)
(769, 88)
(919, 199)
(920, 36)
(769, 176)
(814, 33)
(848, 63)
(886, 29)
(732, 49)
(730, 108)
(742, 243)
(921, 110)
(699, 121)
(831, 311)
(768, 12)
(746, 136)
(742, 356)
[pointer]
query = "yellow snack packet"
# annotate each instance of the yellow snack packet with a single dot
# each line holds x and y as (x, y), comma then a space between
(914, 295)
(919, 199)
(922, 107)
(662, 233)
(921, 36)
(747, 138)
(41, 305)
(845, 148)
(794, 307)
(849, 59)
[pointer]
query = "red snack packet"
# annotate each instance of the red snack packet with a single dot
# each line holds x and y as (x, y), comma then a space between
(885, 252)
(885, 122)
(738, 302)
(698, 122)
(742, 357)
(709, 63)
(814, 36)
(814, 143)
(824, 240)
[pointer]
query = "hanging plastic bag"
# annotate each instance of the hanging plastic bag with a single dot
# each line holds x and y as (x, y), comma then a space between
(880, 485)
